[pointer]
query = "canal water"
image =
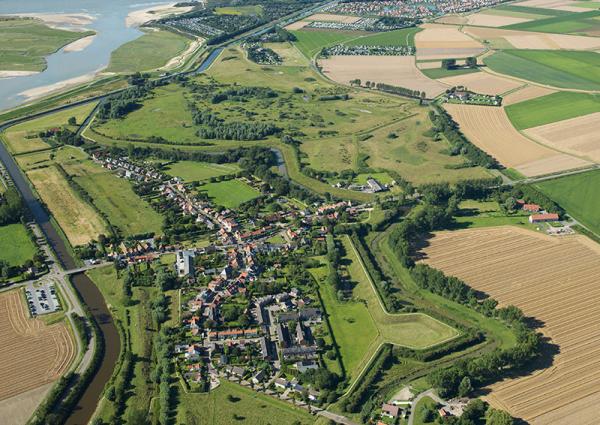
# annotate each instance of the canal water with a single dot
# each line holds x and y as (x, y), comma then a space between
(109, 24)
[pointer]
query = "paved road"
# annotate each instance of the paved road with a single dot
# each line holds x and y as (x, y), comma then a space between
(429, 393)
(336, 418)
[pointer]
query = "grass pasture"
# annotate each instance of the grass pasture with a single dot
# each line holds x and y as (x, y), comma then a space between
(198, 171)
(150, 51)
(402, 37)
(229, 193)
(579, 23)
(558, 68)
(551, 108)
(25, 42)
(311, 41)
(15, 246)
(579, 195)
(529, 10)
(239, 10)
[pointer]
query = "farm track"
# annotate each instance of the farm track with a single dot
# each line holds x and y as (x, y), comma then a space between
(552, 279)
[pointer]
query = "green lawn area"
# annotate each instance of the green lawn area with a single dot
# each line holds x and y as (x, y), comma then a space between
(230, 193)
(579, 195)
(487, 214)
(402, 37)
(115, 198)
(570, 23)
(558, 68)
(239, 10)
(310, 42)
(148, 52)
(24, 43)
(551, 108)
(424, 403)
(252, 408)
(198, 171)
(15, 245)
(442, 72)
(23, 138)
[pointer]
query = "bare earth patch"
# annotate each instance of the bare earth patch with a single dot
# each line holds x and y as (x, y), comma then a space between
(490, 129)
(535, 40)
(482, 82)
(32, 354)
(554, 280)
(580, 136)
(330, 17)
(526, 93)
(396, 70)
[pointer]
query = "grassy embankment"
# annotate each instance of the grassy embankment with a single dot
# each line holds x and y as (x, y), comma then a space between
(25, 42)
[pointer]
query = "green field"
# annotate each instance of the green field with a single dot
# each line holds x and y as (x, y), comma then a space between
(403, 37)
(558, 68)
(239, 10)
(230, 193)
(435, 73)
(251, 407)
(310, 42)
(579, 195)
(197, 171)
(424, 403)
(529, 10)
(15, 245)
(151, 51)
(487, 214)
(571, 23)
(115, 198)
(551, 108)
(24, 43)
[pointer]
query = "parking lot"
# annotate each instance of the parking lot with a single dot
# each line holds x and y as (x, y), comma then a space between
(42, 298)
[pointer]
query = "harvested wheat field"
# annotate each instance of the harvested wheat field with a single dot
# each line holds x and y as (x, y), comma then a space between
(482, 82)
(297, 25)
(534, 40)
(483, 19)
(444, 41)
(554, 280)
(490, 129)
(526, 93)
(396, 70)
(329, 17)
(78, 220)
(579, 136)
(452, 20)
(32, 354)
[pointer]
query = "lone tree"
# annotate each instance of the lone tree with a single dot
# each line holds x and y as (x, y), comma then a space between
(449, 63)
(471, 62)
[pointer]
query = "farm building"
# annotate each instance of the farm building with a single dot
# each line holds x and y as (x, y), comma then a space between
(531, 207)
(541, 218)
(390, 410)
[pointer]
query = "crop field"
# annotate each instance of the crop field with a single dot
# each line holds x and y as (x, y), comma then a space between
(197, 171)
(403, 37)
(311, 41)
(527, 92)
(26, 42)
(115, 198)
(574, 23)
(23, 138)
(566, 69)
(445, 41)
(231, 403)
(434, 70)
(552, 108)
(486, 19)
(482, 82)
(499, 38)
(239, 10)
(490, 129)
(548, 278)
(578, 194)
(32, 353)
(536, 8)
(15, 245)
(78, 220)
(395, 70)
(151, 51)
(229, 193)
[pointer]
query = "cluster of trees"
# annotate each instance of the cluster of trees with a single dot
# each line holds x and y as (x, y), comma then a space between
(470, 62)
(275, 34)
(238, 131)
(402, 91)
(262, 55)
(241, 94)
(161, 374)
(120, 104)
(62, 136)
(12, 208)
(444, 124)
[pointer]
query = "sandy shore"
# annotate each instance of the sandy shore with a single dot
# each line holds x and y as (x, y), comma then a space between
(181, 58)
(140, 17)
(12, 74)
(80, 44)
(68, 21)
(37, 92)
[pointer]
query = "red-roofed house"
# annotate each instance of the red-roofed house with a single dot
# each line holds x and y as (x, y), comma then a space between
(541, 218)
(531, 207)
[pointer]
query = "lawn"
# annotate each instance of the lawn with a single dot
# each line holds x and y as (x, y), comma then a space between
(579, 195)
(435, 73)
(61, 155)
(230, 193)
(402, 37)
(115, 198)
(15, 245)
(570, 23)
(310, 42)
(551, 108)
(423, 404)
(558, 68)
(151, 51)
(77, 219)
(231, 403)
(487, 214)
(197, 171)
(239, 10)
(24, 43)
(23, 138)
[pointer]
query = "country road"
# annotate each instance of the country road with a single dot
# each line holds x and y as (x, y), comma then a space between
(429, 393)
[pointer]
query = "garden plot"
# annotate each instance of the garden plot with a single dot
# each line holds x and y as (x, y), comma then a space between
(482, 82)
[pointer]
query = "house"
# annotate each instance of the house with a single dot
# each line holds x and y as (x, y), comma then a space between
(444, 413)
(531, 207)
(541, 218)
(374, 185)
(305, 365)
(184, 264)
(258, 377)
(390, 410)
(281, 383)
